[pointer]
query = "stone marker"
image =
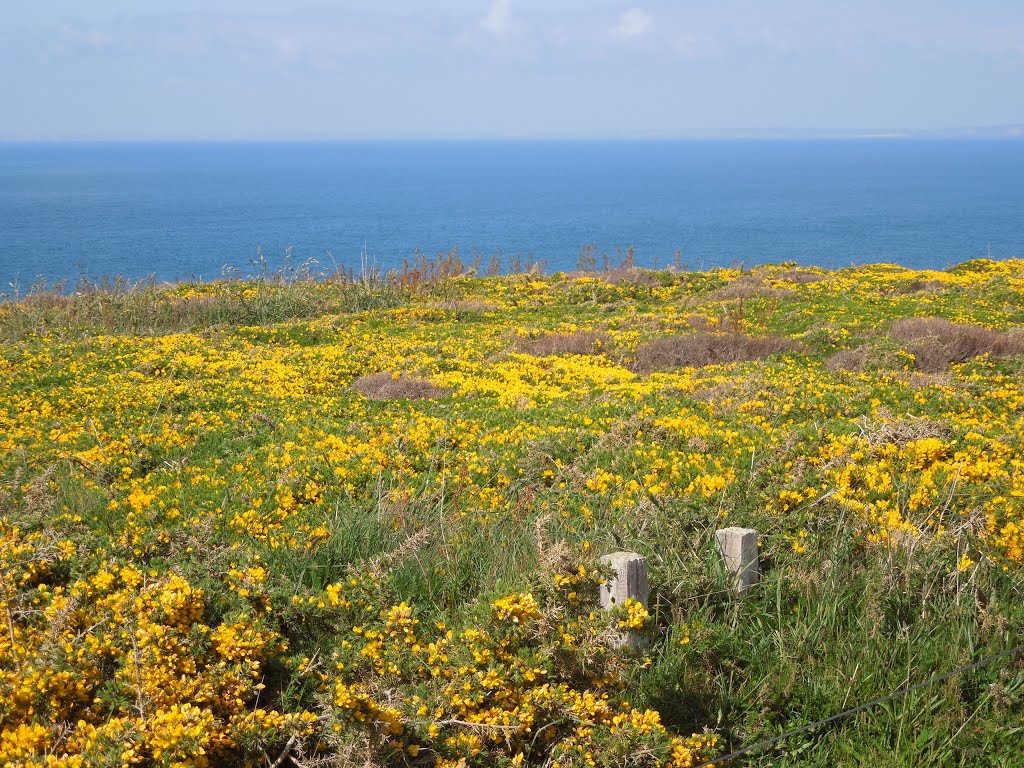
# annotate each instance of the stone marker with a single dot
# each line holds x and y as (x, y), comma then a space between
(738, 547)
(628, 579)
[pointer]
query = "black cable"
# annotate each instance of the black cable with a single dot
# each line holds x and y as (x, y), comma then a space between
(860, 708)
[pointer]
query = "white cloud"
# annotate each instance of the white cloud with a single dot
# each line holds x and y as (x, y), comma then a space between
(371, 71)
(86, 38)
(497, 19)
(633, 23)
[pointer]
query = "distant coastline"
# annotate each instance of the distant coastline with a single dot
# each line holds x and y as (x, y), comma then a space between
(980, 132)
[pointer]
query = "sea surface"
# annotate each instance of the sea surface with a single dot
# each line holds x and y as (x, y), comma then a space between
(180, 211)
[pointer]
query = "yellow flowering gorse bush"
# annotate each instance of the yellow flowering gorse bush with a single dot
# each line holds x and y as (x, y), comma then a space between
(213, 551)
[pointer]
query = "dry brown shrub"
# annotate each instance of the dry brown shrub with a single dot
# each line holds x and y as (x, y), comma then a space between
(384, 386)
(936, 343)
(631, 276)
(722, 324)
(700, 349)
(902, 431)
(801, 278)
(578, 343)
(747, 288)
(919, 380)
(847, 360)
(42, 302)
(554, 557)
(919, 286)
(463, 305)
(698, 322)
(755, 286)
(38, 501)
(620, 276)
(698, 445)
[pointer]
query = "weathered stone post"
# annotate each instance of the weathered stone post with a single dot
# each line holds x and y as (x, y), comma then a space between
(738, 548)
(628, 580)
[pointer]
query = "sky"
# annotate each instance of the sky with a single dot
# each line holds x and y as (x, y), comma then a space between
(453, 69)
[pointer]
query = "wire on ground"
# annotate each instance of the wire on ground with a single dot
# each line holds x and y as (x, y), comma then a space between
(860, 708)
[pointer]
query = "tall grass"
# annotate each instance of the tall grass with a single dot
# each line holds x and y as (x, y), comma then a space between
(118, 304)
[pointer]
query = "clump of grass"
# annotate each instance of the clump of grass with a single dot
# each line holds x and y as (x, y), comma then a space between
(387, 386)
(935, 343)
(122, 306)
(699, 349)
(577, 343)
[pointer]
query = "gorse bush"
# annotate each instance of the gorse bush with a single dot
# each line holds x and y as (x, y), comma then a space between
(358, 522)
(154, 683)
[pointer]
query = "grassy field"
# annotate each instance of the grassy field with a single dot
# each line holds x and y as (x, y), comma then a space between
(358, 522)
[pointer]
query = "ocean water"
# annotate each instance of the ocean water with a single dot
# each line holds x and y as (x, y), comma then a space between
(191, 210)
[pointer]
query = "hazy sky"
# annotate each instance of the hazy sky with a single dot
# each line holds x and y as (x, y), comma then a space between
(287, 69)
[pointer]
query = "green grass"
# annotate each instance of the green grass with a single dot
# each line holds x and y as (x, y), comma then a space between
(195, 394)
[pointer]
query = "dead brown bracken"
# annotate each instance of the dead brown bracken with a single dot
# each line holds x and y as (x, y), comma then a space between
(385, 386)
(700, 349)
(578, 343)
(936, 343)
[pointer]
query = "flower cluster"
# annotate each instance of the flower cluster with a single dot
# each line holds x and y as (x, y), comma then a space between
(213, 546)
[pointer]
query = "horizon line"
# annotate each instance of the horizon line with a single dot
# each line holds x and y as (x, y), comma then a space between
(865, 137)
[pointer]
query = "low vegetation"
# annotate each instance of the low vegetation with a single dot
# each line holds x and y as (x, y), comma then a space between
(395, 386)
(574, 343)
(358, 520)
(935, 343)
(698, 349)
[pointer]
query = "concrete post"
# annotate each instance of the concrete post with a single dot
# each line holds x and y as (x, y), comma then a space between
(738, 548)
(628, 580)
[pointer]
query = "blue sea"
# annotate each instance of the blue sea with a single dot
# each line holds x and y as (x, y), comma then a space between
(180, 211)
